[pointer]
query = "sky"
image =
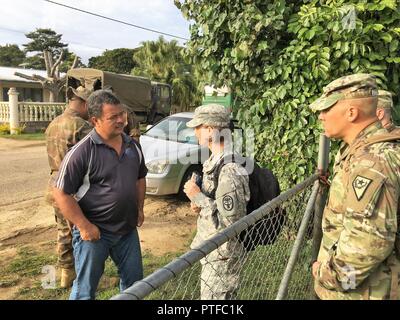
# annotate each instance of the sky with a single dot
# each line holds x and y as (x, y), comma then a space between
(88, 35)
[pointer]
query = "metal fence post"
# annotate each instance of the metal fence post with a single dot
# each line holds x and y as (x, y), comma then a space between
(323, 163)
(14, 116)
(283, 287)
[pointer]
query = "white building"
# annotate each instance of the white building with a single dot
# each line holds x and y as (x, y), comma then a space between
(28, 90)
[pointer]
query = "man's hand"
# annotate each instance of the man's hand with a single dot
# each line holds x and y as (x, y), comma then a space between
(90, 232)
(140, 219)
(315, 268)
(323, 177)
(194, 208)
(191, 188)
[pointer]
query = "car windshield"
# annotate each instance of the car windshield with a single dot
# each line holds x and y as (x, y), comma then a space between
(173, 129)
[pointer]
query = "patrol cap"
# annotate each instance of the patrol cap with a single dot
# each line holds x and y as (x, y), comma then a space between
(80, 92)
(385, 99)
(214, 115)
(360, 85)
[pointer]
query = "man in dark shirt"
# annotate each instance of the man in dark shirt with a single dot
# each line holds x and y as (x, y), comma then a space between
(100, 188)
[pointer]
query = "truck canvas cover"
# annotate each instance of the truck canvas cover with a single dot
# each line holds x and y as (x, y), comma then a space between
(133, 91)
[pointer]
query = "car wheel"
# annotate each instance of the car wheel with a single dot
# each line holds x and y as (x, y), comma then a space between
(186, 177)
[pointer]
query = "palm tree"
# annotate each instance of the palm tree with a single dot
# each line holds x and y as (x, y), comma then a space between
(164, 61)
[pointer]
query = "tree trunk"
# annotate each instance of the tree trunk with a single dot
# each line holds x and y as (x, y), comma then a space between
(53, 97)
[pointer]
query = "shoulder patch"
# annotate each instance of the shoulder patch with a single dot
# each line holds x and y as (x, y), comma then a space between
(227, 202)
(360, 185)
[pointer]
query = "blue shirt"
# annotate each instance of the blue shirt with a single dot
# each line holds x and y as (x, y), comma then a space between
(104, 183)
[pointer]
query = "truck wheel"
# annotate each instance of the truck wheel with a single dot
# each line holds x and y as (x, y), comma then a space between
(186, 177)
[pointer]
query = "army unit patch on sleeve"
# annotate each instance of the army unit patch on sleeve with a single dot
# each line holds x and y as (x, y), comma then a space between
(227, 202)
(360, 185)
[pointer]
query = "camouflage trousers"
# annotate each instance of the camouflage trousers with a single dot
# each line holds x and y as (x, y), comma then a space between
(64, 242)
(219, 279)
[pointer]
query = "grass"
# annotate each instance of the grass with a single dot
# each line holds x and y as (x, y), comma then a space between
(25, 136)
(260, 275)
(25, 270)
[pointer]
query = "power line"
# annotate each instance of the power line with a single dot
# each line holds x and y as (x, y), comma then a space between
(116, 20)
(69, 42)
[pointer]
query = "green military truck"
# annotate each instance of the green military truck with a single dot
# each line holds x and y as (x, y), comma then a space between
(147, 101)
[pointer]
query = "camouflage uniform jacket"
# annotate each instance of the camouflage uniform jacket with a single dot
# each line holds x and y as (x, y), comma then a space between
(357, 258)
(231, 197)
(63, 132)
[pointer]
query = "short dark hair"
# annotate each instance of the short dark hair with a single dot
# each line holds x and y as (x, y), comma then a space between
(98, 99)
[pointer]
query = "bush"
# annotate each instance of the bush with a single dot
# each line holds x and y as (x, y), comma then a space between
(4, 128)
(278, 55)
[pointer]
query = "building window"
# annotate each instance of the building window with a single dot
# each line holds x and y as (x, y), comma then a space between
(26, 94)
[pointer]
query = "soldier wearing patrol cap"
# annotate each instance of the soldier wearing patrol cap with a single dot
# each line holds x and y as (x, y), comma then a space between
(220, 201)
(61, 134)
(384, 111)
(359, 253)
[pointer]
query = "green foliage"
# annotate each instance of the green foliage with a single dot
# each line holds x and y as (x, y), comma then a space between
(4, 128)
(278, 55)
(164, 61)
(69, 58)
(35, 62)
(116, 60)
(11, 55)
(49, 40)
(44, 39)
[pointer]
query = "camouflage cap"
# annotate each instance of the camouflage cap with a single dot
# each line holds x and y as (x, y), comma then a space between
(80, 92)
(385, 99)
(358, 85)
(214, 115)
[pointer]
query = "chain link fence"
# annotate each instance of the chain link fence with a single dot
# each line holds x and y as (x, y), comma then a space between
(223, 267)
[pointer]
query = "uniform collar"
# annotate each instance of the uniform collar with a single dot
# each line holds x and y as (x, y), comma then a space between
(71, 112)
(367, 132)
(214, 159)
(370, 130)
(390, 127)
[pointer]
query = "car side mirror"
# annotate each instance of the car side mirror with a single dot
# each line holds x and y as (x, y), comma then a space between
(149, 127)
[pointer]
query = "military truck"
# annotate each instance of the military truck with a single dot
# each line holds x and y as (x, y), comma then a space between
(147, 101)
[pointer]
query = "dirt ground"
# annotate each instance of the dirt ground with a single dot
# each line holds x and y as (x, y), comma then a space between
(25, 218)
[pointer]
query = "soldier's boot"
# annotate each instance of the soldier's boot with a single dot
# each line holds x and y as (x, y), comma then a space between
(67, 277)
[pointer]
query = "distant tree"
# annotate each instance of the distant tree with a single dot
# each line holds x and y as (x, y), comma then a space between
(69, 60)
(47, 45)
(11, 55)
(34, 62)
(117, 60)
(164, 61)
(45, 40)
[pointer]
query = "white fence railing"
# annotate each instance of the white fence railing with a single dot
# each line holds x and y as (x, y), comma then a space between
(32, 111)
(4, 112)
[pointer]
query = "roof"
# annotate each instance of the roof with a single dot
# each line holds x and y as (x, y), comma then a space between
(7, 74)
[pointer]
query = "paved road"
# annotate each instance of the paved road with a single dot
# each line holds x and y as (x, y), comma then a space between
(23, 170)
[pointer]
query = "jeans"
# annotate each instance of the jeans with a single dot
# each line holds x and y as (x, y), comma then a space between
(90, 257)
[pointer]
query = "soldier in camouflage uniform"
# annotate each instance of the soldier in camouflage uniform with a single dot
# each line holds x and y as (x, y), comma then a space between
(61, 134)
(220, 202)
(358, 258)
(384, 111)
